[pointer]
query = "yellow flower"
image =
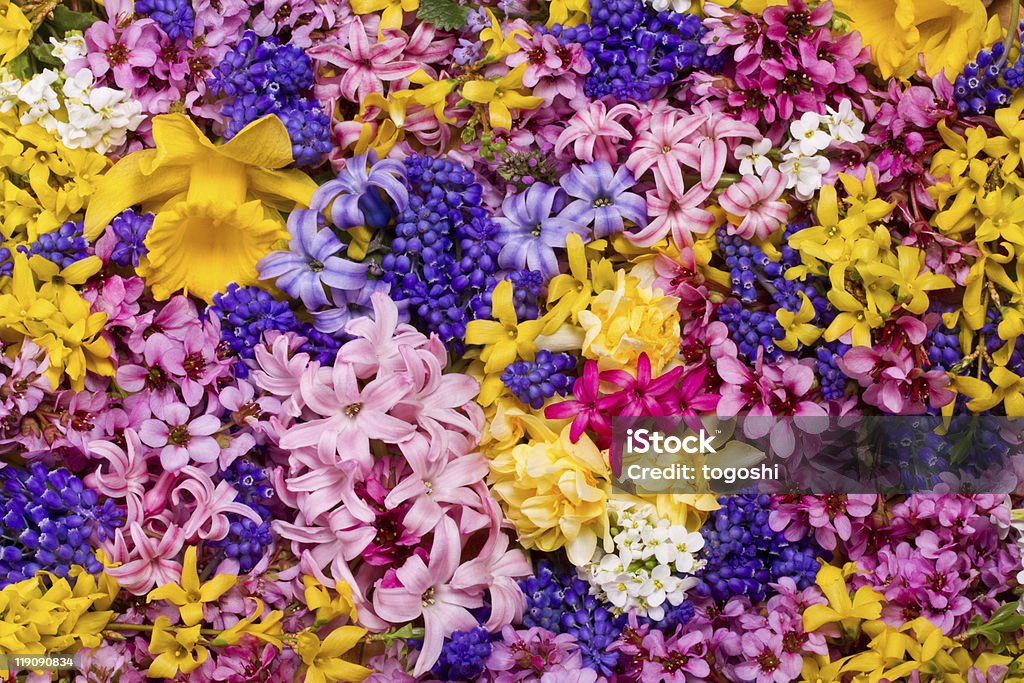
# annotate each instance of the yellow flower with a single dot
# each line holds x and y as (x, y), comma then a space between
(501, 96)
(318, 598)
(501, 45)
(177, 651)
(433, 95)
(393, 15)
(323, 659)
(215, 205)
(865, 604)
(1006, 388)
(948, 32)
(910, 277)
(623, 322)
(191, 594)
(504, 339)
(15, 31)
(797, 325)
(556, 493)
(269, 628)
(568, 12)
(571, 290)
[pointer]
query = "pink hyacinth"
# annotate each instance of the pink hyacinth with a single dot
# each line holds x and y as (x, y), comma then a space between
(664, 147)
(596, 132)
(363, 67)
(756, 201)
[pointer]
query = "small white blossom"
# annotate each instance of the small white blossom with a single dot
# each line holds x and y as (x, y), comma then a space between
(71, 48)
(803, 173)
(843, 125)
(808, 136)
(678, 6)
(753, 158)
(41, 98)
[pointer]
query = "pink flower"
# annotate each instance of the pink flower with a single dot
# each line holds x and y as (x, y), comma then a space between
(681, 216)
(150, 563)
(552, 69)
(350, 416)
(163, 360)
(595, 132)
(180, 437)
(583, 408)
(363, 67)
(893, 381)
(829, 516)
(640, 395)
(709, 150)
(665, 146)
(756, 201)
(379, 340)
(212, 504)
(497, 568)
(420, 589)
(765, 662)
(126, 473)
(128, 53)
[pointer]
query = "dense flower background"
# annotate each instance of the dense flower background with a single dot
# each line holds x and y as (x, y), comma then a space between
(314, 316)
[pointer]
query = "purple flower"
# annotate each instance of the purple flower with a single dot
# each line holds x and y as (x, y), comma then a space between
(128, 53)
(601, 198)
(530, 232)
(179, 437)
(311, 263)
(353, 198)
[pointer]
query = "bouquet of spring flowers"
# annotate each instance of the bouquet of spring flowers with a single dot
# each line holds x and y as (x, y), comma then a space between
(320, 321)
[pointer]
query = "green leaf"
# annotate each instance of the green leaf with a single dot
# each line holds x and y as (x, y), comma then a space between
(65, 20)
(444, 14)
(43, 55)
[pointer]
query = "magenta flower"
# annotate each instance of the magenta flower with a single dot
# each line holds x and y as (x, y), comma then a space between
(756, 201)
(127, 53)
(831, 516)
(640, 395)
(893, 381)
(583, 408)
(422, 589)
(363, 67)
(765, 662)
(180, 437)
(163, 363)
(552, 69)
(350, 416)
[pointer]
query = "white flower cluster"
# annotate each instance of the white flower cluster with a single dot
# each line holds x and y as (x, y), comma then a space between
(74, 110)
(803, 161)
(652, 565)
(677, 6)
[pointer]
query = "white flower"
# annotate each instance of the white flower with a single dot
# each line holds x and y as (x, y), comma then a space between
(41, 98)
(617, 593)
(71, 48)
(807, 134)
(98, 118)
(843, 125)
(803, 173)
(9, 87)
(679, 6)
(753, 158)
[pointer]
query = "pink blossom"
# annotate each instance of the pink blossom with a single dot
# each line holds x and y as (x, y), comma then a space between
(831, 516)
(127, 53)
(180, 437)
(422, 589)
(595, 132)
(679, 216)
(497, 568)
(125, 474)
(893, 380)
(756, 200)
(209, 520)
(552, 69)
(363, 67)
(162, 362)
(665, 147)
(150, 563)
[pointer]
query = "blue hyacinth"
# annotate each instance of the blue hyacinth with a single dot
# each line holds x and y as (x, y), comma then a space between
(131, 229)
(48, 518)
(175, 17)
(988, 81)
(247, 541)
(63, 246)
(463, 656)
(744, 556)
(444, 256)
(535, 382)
(634, 51)
(261, 76)
(245, 313)
(562, 603)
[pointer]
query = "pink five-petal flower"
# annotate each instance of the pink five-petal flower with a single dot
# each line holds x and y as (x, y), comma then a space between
(150, 563)
(351, 416)
(418, 589)
(756, 200)
(212, 505)
(664, 147)
(595, 132)
(432, 483)
(364, 67)
(180, 437)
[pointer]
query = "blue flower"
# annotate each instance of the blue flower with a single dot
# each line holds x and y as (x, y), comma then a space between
(311, 263)
(348, 306)
(353, 197)
(601, 198)
(530, 231)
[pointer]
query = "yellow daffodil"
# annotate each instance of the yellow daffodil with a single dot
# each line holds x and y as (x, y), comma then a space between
(190, 595)
(797, 326)
(15, 31)
(323, 659)
(627, 320)
(947, 32)
(504, 339)
(318, 597)
(393, 15)
(555, 492)
(216, 205)
(176, 649)
(865, 604)
(501, 95)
